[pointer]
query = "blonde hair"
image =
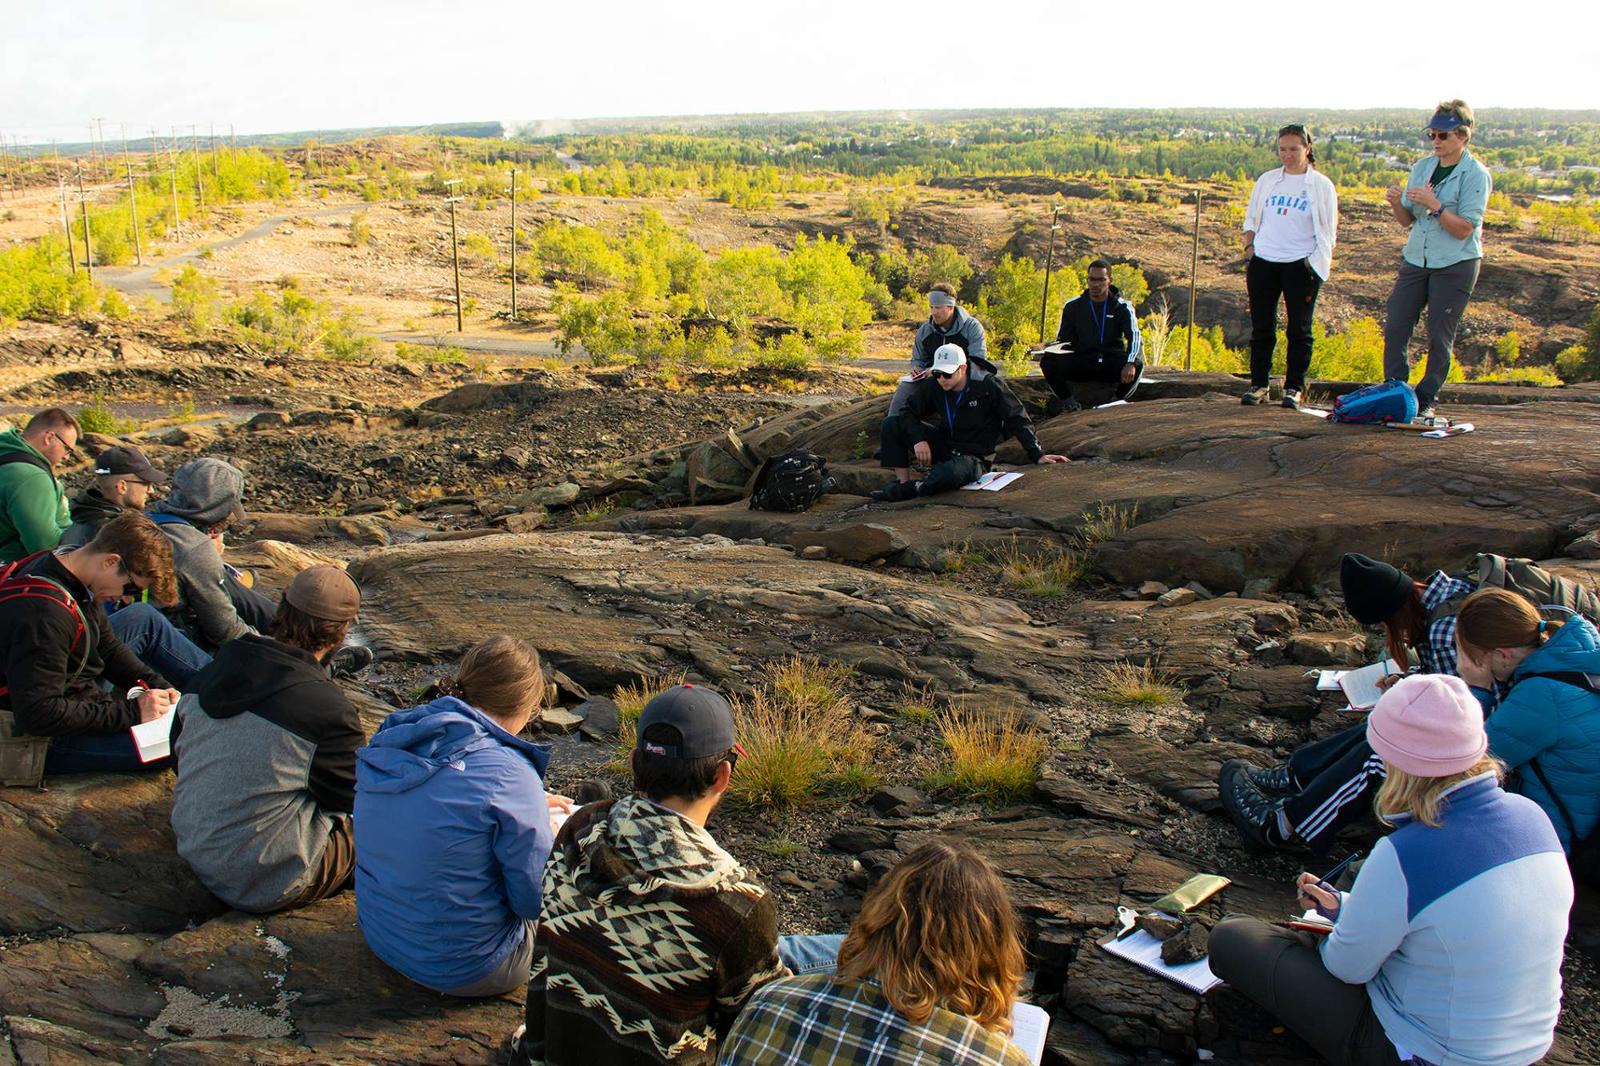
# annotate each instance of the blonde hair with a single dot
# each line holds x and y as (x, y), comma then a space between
(501, 676)
(939, 932)
(1420, 797)
(1458, 109)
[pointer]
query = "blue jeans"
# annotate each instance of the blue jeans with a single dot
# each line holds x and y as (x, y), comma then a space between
(109, 753)
(810, 954)
(153, 638)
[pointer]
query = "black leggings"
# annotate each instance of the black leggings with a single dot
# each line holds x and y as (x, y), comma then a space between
(1297, 285)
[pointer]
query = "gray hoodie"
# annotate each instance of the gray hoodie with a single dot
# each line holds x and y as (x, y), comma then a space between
(204, 493)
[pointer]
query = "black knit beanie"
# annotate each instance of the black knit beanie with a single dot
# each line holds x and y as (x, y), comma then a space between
(1373, 590)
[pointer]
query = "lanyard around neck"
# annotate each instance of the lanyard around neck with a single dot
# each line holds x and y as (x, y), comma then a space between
(1100, 319)
(951, 409)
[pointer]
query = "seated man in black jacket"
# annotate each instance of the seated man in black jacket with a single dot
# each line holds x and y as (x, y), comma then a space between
(67, 676)
(1100, 331)
(969, 418)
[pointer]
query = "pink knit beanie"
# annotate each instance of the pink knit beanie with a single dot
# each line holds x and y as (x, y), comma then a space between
(1429, 725)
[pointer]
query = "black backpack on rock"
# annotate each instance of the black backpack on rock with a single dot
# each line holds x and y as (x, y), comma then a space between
(792, 481)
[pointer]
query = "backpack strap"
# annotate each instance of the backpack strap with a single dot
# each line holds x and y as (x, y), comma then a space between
(36, 587)
(29, 458)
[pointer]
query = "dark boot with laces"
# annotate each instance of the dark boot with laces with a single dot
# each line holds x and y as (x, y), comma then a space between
(1254, 813)
(1278, 781)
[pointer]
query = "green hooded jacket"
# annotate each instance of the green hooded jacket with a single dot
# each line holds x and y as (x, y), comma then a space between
(33, 512)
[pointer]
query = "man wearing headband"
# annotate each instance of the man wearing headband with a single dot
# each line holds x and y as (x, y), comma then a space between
(948, 323)
(1442, 206)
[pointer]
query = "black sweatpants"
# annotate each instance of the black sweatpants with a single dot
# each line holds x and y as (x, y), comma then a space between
(1297, 285)
(949, 471)
(1282, 970)
(1077, 368)
(1338, 778)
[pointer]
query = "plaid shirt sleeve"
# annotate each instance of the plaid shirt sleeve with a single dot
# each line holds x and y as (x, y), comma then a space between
(1438, 651)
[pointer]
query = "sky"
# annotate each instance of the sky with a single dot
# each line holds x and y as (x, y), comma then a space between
(277, 65)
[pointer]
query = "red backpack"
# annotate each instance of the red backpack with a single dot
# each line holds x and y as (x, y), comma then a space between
(15, 585)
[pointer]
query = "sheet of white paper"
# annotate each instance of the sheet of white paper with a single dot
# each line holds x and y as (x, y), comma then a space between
(1328, 680)
(1109, 403)
(154, 739)
(1142, 949)
(1454, 431)
(1029, 1026)
(994, 480)
(1315, 412)
(1361, 686)
(906, 378)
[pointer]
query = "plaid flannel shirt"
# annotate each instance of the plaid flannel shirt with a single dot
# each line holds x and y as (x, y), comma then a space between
(821, 1020)
(1438, 651)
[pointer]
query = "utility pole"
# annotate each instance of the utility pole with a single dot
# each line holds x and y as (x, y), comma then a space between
(172, 162)
(215, 171)
(513, 243)
(233, 142)
(1049, 265)
(6, 164)
(1194, 278)
(96, 142)
(133, 201)
(455, 252)
(66, 224)
(199, 184)
(88, 245)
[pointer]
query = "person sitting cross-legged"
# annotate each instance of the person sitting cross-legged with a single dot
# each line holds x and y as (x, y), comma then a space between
(266, 757)
(1448, 947)
(952, 423)
(68, 676)
(927, 973)
(453, 827)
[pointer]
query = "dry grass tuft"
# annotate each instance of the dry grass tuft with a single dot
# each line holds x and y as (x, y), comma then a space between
(630, 700)
(1133, 685)
(995, 762)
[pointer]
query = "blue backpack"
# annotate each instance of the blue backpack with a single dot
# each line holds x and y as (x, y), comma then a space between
(1391, 401)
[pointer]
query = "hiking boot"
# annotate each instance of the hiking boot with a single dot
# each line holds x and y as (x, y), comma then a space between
(1291, 399)
(1254, 813)
(895, 491)
(350, 660)
(1278, 781)
(1256, 397)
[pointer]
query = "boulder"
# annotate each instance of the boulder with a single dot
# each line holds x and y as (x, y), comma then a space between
(266, 420)
(304, 529)
(856, 543)
(601, 718)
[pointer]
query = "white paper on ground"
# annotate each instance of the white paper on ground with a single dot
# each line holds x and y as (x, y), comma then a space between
(1315, 412)
(1328, 680)
(1454, 431)
(994, 480)
(154, 739)
(1142, 949)
(1109, 403)
(1361, 686)
(1029, 1026)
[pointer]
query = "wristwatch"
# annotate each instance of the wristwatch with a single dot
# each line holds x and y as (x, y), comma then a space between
(1436, 212)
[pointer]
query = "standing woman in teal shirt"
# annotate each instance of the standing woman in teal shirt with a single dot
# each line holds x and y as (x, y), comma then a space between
(1442, 205)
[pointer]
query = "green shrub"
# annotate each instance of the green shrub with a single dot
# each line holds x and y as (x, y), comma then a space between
(37, 282)
(96, 417)
(1575, 363)
(196, 300)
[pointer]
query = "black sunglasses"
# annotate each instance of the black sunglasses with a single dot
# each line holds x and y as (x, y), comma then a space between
(943, 375)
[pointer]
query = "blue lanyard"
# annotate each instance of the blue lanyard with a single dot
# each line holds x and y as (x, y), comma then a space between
(950, 412)
(1100, 319)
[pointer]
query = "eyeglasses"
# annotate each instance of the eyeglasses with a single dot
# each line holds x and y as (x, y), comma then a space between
(70, 449)
(943, 375)
(1436, 135)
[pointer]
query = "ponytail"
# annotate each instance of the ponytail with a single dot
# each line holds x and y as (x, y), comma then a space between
(1494, 618)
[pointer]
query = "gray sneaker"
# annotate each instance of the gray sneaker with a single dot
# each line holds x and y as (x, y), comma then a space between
(1426, 415)
(1291, 399)
(1256, 397)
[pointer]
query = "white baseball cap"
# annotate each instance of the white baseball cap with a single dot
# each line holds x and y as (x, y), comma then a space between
(949, 358)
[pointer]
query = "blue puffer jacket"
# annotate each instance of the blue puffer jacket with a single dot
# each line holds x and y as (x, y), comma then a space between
(452, 833)
(1557, 722)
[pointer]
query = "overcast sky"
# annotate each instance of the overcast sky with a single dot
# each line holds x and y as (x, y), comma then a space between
(269, 65)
